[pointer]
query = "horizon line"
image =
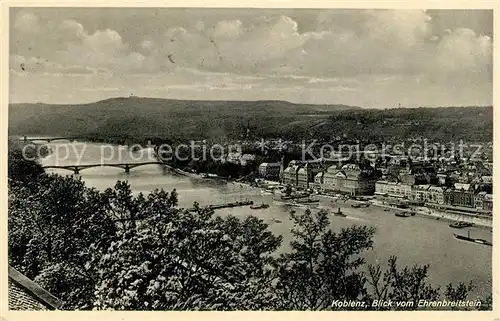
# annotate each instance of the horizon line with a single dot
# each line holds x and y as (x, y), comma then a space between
(258, 100)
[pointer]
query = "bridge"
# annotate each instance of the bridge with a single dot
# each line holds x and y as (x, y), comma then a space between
(47, 139)
(77, 168)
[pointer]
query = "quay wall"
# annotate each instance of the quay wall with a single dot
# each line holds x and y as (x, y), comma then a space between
(480, 220)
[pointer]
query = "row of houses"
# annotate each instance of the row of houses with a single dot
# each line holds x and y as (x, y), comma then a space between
(351, 179)
(348, 179)
(270, 170)
(461, 195)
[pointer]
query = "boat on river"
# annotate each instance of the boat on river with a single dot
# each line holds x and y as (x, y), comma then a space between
(473, 240)
(461, 224)
(339, 213)
(307, 206)
(295, 195)
(401, 205)
(260, 206)
(361, 204)
(403, 214)
(306, 201)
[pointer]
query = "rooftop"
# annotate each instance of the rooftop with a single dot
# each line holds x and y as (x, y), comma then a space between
(32, 289)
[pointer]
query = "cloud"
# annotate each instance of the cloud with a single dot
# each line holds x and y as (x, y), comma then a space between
(93, 89)
(342, 50)
(398, 28)
(383, 41)
(29, 65)
(228, 29)
(462, 49)
(70, 30)
(69, 47)
(26, 22)
(103, 49)
(104, 41)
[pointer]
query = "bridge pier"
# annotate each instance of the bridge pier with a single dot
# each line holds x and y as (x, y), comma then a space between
(25, 139)
(76, 171)
(127, 169)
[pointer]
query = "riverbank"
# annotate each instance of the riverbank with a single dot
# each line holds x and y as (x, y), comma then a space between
(479, 221)
(32, 150)
(202, 176)
(429, 213)
(415, 240)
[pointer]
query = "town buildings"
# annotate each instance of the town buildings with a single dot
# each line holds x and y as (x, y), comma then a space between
(488, 202)
(393, 189)
(479, 199)
(318, 180)
(270, 170)
(460, 195)
(349, 179)
(447, 184)
(303, 175)
(436, 194)
(289, 176)
(420, 192)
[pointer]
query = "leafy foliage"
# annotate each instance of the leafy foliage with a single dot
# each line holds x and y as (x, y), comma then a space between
(22, 163)
(323, 266)
(176, 259)
(55, 225)
(405, 285)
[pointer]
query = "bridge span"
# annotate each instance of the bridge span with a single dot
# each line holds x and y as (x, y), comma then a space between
(27, 139)
(77, 168)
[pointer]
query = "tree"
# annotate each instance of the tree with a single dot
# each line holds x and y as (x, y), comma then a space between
(56, 225)
(487, 303)
(458, 293)
(401, 285)
(176, 259)
(323, 266)
(22, 162)
(410, 285)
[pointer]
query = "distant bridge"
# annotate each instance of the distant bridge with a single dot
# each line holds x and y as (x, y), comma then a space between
(48, 139)
(77, 168)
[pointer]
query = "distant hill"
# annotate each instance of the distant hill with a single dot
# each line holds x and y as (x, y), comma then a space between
(137, 117)
(439, 123)
(162, 117)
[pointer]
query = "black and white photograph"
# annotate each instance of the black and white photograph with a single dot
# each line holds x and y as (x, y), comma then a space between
(250, 159)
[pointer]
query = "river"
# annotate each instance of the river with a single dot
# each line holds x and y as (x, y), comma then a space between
(413, 240)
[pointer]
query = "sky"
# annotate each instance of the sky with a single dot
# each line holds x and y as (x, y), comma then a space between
(368, 58)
